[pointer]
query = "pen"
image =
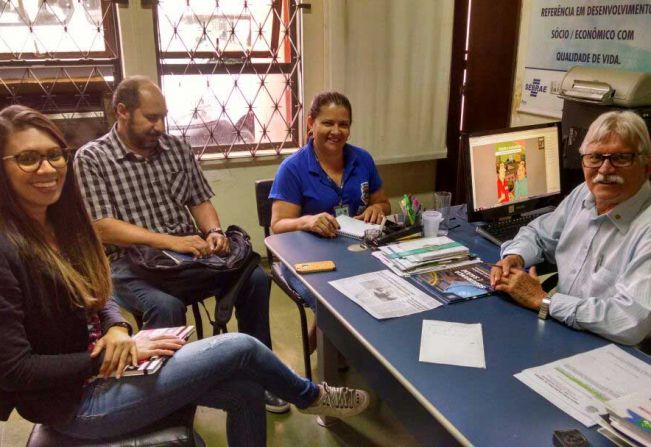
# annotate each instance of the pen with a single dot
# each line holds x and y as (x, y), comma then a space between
(410, 211)
(597, 265)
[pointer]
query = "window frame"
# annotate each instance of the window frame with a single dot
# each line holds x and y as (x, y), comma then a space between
(219, 66)
(110, 38)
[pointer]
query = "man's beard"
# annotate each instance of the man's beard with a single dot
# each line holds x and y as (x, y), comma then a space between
(141, 141)
(608, 179)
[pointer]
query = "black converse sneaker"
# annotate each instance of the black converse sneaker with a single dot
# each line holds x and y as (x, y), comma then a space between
(339, 402)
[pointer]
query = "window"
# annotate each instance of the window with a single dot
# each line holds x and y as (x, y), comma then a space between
(230, 72)
(60, 57)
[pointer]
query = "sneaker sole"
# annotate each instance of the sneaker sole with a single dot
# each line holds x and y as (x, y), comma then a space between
(277, 410)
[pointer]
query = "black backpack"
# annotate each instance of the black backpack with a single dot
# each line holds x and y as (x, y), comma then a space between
(189, 280)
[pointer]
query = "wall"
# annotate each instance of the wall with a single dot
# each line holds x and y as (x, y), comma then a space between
(518, 118)
(232, 180)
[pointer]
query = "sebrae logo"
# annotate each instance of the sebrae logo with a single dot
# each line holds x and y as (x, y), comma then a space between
(535, 87)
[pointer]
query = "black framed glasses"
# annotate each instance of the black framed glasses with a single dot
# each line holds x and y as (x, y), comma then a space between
(622, 160)
(30, 160)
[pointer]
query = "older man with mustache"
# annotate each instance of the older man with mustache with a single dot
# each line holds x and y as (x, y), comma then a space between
(599, 236)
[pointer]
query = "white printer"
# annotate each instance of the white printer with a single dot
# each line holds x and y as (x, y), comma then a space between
(607, 86)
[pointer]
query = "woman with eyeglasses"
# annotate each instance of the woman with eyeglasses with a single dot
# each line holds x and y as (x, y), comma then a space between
(63, 338)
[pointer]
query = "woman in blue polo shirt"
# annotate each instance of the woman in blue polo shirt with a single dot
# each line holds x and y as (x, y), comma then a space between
(325, 178)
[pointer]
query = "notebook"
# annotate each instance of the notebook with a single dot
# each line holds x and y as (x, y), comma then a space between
(354, 228)
(179, 258)
(154, 364)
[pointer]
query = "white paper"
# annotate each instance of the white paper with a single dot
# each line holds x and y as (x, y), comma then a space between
(581, 384)
(385, 295)
(458, 344)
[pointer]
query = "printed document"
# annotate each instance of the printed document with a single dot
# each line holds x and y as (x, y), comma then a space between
(458, 344)
(385, 295)
(580, 385)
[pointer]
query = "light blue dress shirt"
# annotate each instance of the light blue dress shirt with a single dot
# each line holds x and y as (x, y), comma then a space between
(604, 263)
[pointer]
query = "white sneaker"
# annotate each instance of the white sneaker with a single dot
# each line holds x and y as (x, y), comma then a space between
(339, 402)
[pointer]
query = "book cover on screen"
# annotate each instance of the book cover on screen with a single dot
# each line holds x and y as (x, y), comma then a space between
(457, 283)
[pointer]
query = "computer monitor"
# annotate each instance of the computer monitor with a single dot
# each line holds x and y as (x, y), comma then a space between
(513, 171)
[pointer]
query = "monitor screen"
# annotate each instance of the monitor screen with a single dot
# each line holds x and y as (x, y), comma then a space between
(513, 171)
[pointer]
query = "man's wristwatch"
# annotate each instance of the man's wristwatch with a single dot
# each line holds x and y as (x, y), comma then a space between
(543, 312)
(217, 230)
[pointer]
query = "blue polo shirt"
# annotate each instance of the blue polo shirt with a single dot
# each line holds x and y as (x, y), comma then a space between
(301, 180)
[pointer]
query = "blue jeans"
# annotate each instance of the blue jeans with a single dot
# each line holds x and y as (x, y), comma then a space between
(298, 286)
(229, 372)
(160, 309)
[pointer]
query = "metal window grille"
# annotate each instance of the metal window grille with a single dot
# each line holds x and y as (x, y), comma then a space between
(231, 72)
(61, 57)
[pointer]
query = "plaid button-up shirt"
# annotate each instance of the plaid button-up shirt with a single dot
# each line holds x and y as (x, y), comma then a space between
(151, 193)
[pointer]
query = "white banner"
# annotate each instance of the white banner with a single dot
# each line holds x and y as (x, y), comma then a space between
(600, 33)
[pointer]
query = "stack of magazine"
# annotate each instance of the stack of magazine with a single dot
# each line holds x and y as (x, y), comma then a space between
(445, 269)
(628, 422)
(423, 255)
(457, 282)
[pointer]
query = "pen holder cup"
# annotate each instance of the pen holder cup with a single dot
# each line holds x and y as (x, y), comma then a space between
(406, 222)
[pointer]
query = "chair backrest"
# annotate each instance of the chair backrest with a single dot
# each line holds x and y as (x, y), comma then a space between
(263, 202)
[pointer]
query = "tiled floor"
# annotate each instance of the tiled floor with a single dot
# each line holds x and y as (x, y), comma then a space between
(376, 427)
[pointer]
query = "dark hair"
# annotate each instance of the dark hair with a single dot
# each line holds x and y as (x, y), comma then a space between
(128, 92)
(327, 98)
(81, 265)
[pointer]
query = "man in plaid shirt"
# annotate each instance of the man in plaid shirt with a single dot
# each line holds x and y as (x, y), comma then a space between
(142, 186)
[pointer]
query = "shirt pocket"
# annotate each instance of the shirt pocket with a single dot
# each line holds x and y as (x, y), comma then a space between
(602, 282)
(179, 187)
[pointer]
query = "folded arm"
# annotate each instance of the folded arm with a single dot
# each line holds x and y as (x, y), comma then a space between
(286, 216)
(623, 316)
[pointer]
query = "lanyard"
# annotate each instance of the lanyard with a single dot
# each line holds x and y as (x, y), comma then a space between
(338, 188)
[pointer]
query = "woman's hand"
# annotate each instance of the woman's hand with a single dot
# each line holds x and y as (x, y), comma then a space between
(324, 224)
(160, 345)
(372, 214)
(120, 350)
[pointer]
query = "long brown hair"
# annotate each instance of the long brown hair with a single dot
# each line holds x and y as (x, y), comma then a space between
(81, 264)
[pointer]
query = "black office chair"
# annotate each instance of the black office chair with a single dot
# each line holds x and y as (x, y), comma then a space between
(262, 188)
(173, 430)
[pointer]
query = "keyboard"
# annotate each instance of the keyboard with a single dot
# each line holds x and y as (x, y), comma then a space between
(505, 230)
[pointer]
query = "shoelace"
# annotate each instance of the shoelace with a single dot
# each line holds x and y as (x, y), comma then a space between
(338, 397)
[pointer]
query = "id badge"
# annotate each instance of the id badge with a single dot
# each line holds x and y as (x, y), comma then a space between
(342, 210)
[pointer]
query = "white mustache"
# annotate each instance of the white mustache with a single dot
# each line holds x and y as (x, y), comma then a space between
(607, 179)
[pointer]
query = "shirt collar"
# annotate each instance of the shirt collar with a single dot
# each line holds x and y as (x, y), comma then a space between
(625, 213)
(350, 158)
(123, 152)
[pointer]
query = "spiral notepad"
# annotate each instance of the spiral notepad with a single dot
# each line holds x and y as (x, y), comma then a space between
(354, 228)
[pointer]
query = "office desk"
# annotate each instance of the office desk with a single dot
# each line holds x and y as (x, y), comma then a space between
(441, 404)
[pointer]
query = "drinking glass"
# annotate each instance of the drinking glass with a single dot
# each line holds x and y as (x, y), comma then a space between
(442, 200)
